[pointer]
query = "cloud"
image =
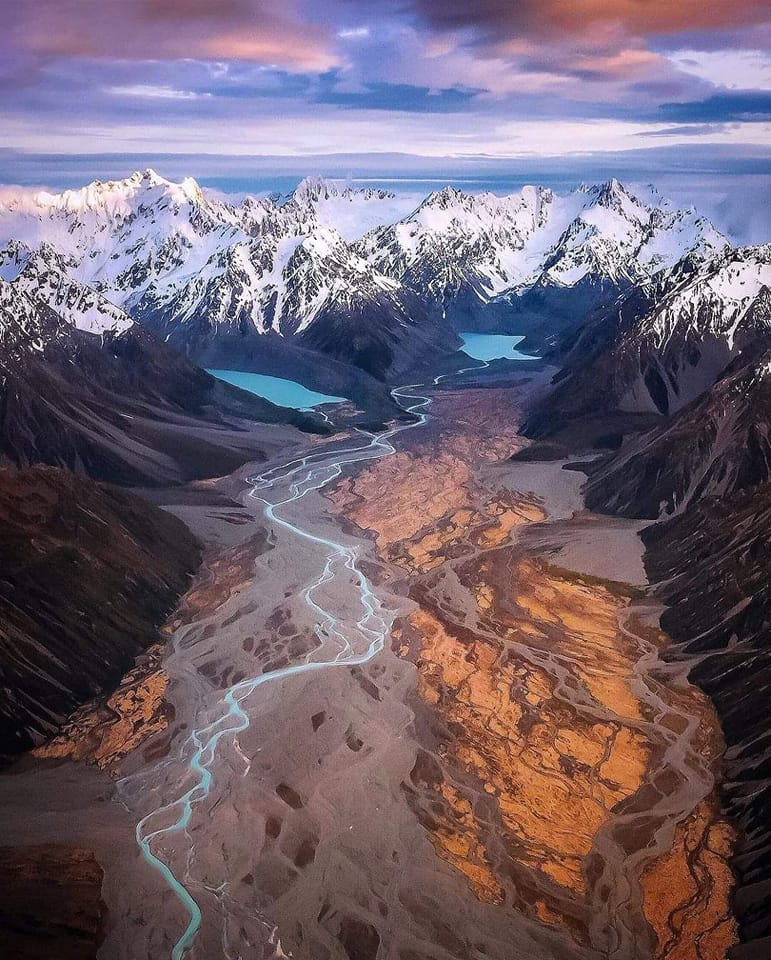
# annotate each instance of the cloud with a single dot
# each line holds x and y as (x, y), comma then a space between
(396, 96)
(703, 130)
(275, 33)
(734, 69)
(155, 93)
(589, 40)
(626, 64)
(535, 77)
(599, 21)
(353, 33)
(746, 106)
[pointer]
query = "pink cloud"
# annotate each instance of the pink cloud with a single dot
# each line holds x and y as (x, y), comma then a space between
(584, 18)
(171, 29)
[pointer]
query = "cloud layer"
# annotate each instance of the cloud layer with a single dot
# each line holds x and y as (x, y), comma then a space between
(431, 77)
(275, 33)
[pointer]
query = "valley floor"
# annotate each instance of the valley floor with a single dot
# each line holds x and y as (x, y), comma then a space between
(516, 773)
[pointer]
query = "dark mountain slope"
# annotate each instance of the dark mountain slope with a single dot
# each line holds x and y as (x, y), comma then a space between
(118, 404)
(88, 573)
(663, 344)
(713, 567)
(716, 445)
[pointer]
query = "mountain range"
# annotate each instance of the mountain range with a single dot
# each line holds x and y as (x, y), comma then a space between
(332, 273)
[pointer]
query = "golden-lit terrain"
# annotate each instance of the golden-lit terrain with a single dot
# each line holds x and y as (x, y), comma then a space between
(546, 725)
(104, 732)
(525, 752)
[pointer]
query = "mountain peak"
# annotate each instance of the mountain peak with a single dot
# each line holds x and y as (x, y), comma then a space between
(186, 189)
(613, 195)
(447, 196)
(148, 175)
(613, 191)
(164, 251)
(138, 179)
(100, 192)
(315, 188)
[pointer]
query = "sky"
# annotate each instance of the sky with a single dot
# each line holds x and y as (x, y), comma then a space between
(248, 93)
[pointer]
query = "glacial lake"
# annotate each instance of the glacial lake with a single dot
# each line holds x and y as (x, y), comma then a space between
(488, 346)
(284, 393)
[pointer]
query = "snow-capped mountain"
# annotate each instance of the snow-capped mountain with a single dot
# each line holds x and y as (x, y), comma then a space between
(98, 394)
(354, 274)
(717, 297)
(121, 235)
(667, 341)
(352, 212)
(701, 320)
(300, 287)
(499, 246)
(42, 276)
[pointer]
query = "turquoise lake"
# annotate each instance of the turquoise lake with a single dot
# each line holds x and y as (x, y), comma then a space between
(488, 346)
(284, 393)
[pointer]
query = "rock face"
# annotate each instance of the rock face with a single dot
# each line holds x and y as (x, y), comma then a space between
(350, 275)
(89, 574)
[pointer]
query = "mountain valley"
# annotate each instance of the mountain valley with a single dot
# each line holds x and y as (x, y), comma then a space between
(471, 664)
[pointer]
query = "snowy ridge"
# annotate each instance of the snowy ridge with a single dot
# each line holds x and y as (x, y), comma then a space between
(715, 300)
(41, 277)
(167, 254)
(504, 245)
(350, 211)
